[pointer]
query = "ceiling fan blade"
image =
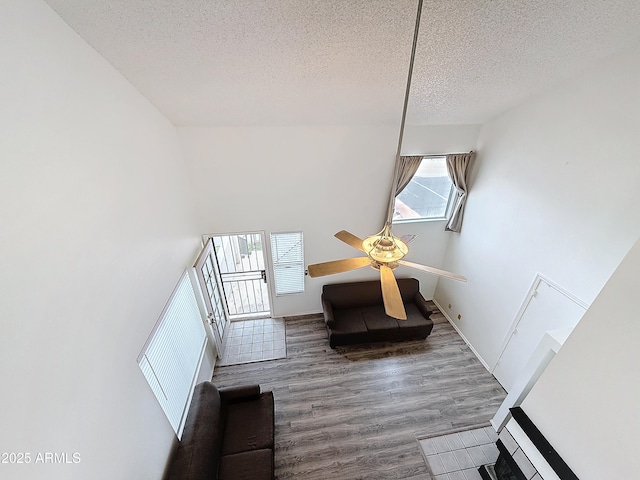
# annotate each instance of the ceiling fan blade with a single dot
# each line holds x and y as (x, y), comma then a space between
(432, 270)
(393, 305)
(337, 266)
(350, 239)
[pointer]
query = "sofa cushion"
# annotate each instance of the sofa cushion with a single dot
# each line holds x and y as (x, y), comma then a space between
(408, 288)
(356, 294)
(249, 425)
(415, 326)
(254, 465)
(349, 320)
(378, 322)
(198, 453)
(347, 328)
(414, 318)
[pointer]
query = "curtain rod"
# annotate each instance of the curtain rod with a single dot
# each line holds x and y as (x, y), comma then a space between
(433, 155)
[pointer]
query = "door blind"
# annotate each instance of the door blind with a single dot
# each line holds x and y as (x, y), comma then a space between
(171, 358)
(287, 253)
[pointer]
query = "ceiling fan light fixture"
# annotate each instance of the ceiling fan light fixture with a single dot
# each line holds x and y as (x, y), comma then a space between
(384, 247)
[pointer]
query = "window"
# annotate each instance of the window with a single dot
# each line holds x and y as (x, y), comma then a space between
(171, 358)
(428, 195)
(287, 253)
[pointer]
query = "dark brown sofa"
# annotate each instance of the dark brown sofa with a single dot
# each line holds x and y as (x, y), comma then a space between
(354, 313)
(228, 435)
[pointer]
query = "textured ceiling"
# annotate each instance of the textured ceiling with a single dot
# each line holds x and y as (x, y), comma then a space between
(293, 62)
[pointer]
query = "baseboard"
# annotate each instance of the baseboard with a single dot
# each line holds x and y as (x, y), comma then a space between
(452, 323)
(299, 315)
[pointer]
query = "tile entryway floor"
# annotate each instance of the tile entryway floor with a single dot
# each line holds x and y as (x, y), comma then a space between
(254, 341)
(457, 456)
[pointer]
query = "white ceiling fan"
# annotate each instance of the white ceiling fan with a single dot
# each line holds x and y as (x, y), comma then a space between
(384, 251)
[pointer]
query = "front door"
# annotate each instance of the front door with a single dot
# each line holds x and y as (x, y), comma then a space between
(208, 274)
(243, 273)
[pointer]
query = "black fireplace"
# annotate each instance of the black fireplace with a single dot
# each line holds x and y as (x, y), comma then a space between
(507, 468)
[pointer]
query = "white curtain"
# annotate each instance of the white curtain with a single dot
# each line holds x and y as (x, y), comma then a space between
(406, 168)
(458, 166)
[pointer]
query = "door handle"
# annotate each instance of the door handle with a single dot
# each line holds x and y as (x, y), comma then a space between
(263, 275)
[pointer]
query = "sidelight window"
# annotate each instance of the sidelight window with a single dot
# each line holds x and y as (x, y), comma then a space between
(287, 252)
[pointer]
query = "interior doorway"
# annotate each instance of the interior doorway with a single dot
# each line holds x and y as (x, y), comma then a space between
(243, 273)
(547, 307)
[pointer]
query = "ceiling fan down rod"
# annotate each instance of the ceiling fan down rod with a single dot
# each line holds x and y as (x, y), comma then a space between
(404, 115)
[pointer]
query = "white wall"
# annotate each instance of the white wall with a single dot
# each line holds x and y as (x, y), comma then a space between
(586, 402)
(96, 228)
(556, 186)
(318, 179)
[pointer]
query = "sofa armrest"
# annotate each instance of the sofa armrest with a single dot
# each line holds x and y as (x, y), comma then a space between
(240, 393)
(421, 303)
(327, 311)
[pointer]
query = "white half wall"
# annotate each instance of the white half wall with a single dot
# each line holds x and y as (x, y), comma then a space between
(556, 184)
(96, 229)
(586, 402)
(318, 179)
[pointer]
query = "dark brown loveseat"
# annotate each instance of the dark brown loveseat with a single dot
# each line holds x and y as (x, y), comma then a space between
(229, 435)
(354, 313)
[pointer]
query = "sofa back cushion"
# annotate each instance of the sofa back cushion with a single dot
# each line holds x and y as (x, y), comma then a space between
(249, 425)
(198, 453)
(362, 294)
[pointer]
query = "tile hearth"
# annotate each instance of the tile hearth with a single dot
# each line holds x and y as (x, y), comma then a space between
(457, 455)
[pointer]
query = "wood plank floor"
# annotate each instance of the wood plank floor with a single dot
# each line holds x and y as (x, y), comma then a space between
(355, 412)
